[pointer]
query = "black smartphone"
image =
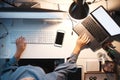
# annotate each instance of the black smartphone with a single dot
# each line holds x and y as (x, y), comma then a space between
(59, 38)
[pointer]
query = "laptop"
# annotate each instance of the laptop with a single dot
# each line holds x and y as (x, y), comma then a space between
(99, 26)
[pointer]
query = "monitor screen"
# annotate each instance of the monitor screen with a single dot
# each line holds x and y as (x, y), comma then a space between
(101, 15)
(31, 13)
(48, 65)
(77, 75)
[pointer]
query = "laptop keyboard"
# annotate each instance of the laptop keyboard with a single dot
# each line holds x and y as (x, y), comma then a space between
(34, 37)
(94, 29)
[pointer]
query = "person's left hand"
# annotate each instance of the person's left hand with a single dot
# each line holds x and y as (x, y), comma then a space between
(20, 45)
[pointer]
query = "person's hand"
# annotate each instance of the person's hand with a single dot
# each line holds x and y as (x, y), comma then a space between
(27, 78)
(20, 45)
(81, 41)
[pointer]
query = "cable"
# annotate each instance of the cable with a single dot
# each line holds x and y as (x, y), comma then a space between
(72, 24)
(94, 1)
(106, 4)
(3, 35)
(9, 3)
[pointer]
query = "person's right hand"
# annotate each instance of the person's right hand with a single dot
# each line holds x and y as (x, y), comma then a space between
(81, 41)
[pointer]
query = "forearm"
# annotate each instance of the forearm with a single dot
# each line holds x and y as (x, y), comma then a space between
(73, 58)
(69, 64)
(76, 50)
(17, 55)
(62, 70)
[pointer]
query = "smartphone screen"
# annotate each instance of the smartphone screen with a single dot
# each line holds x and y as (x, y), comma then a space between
(59, 38)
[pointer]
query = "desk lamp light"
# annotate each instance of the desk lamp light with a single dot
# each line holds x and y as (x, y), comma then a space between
(79, 9)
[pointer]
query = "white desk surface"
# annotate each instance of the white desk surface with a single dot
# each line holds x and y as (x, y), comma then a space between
(41, 50)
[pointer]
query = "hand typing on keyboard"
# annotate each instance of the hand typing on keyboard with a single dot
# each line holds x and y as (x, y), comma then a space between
(21, 45)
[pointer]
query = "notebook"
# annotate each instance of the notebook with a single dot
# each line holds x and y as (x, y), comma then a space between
(99, 26)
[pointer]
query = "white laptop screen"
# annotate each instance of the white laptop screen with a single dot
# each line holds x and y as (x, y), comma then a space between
(106, 21)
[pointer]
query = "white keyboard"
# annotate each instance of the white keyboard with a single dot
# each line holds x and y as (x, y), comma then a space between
(34, 37)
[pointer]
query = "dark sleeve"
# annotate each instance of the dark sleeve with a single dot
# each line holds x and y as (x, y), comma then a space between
(12, 62)
(61, 71)
(8, 68)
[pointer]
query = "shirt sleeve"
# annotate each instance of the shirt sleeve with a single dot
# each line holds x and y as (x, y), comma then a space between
(61, 71)
(9, 67)
(12, 62)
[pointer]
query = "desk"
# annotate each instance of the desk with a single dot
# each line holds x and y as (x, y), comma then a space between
(39, 50)
(43, 51)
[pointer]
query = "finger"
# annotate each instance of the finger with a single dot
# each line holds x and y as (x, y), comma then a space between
(22, 39)
(88, 41)
(85, 37)
(17, 40)
(79, 36)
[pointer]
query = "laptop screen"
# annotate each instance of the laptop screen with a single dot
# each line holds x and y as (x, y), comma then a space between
(101, 15)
